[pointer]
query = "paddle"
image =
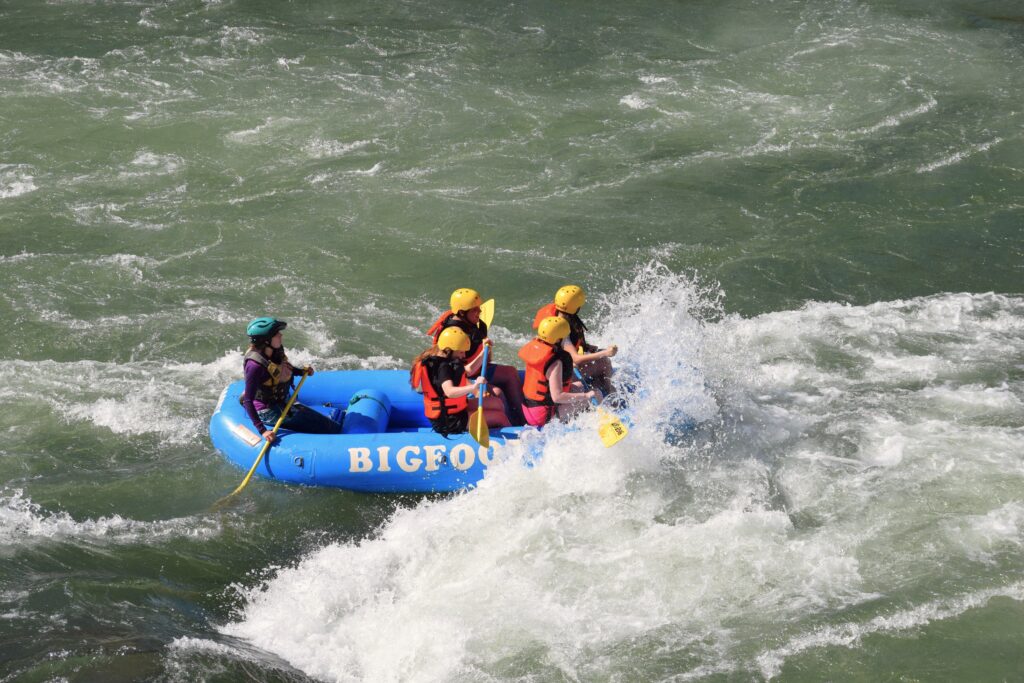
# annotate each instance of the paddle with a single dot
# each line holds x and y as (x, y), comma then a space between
(610, 428)
(477, 424)
(266, 445)
(487, 312)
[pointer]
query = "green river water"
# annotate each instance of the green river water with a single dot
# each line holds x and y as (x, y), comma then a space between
(802, 222)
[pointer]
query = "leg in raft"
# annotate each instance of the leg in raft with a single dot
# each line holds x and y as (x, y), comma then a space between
(506, 378)
(494, 411)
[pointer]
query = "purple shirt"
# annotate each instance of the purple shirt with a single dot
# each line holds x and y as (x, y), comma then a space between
(255, 376)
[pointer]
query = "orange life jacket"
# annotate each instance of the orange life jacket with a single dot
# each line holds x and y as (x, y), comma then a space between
(435, 404)
(548, 311)
(577, 329)
(539, 356)
(435, 330)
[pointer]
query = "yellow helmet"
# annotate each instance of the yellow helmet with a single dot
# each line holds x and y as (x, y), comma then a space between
(553, 329)
(464, 299)
(570, 299)
(453, 339)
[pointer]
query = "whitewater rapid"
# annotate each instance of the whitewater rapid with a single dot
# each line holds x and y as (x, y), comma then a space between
(855, 470)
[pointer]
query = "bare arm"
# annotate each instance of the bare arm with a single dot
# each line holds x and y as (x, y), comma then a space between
(473, 366)
(452, 391)
(554, 378)
(579, 358)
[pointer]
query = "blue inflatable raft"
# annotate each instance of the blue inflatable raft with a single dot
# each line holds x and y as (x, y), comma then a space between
(387, 445)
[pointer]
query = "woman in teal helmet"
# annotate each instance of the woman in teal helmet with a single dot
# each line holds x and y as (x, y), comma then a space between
(268, 383)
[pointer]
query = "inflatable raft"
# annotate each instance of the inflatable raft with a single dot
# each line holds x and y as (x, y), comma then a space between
(386, 446)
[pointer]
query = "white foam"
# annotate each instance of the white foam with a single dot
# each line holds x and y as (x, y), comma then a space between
(655, 80)
(634, 101)
(576, 566)
(147, 163)
(959, 156)
(190, 644)
(23, 256)
(256, 134)
(16, 180)
(134, 265)
(823, 456)
(897, 119)
(22, 520)
(109, 213)
(190, 659)
(240, 36)
(141, 412)
(889, 453)
(319, 148)
(372, 171)
(850, 634)
(1000, 529)
(148, 397)
(972, 400)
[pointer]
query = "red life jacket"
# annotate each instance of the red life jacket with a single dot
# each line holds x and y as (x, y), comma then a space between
(442, 322)
(539, 356)
(435, 404)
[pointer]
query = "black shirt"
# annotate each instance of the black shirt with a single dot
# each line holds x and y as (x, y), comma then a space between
(476, 334)
(449, 369)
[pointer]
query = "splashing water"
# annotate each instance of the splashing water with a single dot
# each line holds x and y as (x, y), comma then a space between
(832, 435)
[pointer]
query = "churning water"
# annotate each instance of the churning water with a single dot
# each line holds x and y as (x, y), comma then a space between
(802, 223)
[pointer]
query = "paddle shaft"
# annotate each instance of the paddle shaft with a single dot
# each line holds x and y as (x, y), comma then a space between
(483, 373)
(586, 387)
(270, 441)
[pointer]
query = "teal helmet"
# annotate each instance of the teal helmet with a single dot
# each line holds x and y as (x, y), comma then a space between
(262, 329)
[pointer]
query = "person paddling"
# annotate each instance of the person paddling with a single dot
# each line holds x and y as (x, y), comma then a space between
(592, 361)
(548, 387)
(268, 380)
(464, 314)
(440, 374)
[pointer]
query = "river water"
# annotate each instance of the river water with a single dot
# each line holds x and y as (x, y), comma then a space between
(802, 222)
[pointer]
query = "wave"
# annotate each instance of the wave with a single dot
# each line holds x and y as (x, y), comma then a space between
(824, 444)
(23, 521)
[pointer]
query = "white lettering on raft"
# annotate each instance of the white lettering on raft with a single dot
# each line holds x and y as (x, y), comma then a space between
(359, 460)
(462, 457)
(404, 463)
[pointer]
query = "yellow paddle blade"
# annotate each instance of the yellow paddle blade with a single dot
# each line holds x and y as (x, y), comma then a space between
(487, 312)
(478, 428)
(611, 430)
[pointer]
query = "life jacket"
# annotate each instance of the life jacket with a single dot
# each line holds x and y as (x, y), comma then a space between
(476, 334)
(577, 330)
(548, 311)
(435, 404)
(539, 356)
(273, 391)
